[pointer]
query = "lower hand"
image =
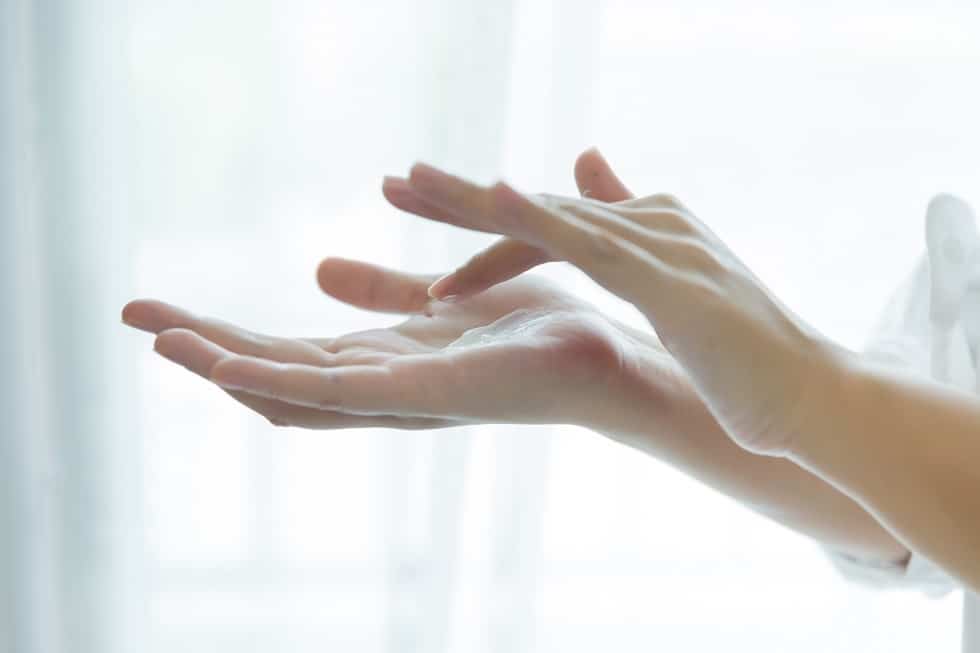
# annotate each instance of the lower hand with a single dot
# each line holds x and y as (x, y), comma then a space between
(523, 351)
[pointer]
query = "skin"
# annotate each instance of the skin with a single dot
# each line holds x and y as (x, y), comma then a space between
(512, 348)
(904, 448)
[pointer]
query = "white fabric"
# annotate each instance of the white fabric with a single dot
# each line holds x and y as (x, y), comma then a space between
(931, 326)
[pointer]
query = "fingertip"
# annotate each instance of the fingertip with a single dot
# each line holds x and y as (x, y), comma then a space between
(396, 190)
(590, 153)
(336, 275)
(219, 371)
(420, 173)
(337, 271)
(324, 270)
(589, 158)
(168, 339)
(139, 314)
(391, 182)
(596, 178)
(175, 345)
(126, 314)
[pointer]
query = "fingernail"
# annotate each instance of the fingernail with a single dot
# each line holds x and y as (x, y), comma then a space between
(450, 299)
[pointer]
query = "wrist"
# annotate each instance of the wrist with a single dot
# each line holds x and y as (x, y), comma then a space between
(832, 380)
(647, 394)
(838, 440)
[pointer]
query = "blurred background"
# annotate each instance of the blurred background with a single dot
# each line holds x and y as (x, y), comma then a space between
(210, 153)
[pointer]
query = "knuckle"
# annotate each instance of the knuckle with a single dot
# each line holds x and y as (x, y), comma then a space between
(656, 201)
(667, 199)
(602, 245)
(673, 220)
(696, 254)
(327, 399)
(705, 293)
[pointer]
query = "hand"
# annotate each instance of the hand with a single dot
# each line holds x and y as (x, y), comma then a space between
(508, 257)
(757, 367)
(522, 352)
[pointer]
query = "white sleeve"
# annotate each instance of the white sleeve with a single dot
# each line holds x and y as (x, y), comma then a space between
(901, 339)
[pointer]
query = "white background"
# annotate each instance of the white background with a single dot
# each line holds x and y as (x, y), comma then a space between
(211, 153)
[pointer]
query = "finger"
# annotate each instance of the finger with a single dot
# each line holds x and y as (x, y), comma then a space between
(675, 244)
(468, 203)
(615, 262)
(190, 350)
(541, 220)
(150, 315)
(401, 194)
(156, 317)
(199, 355)
(358, 389)
(596, 179)
(610, 257)
(373, 287)
(509, 258)
(505, 259)
(631, 222)
(281, 413)
(483, 206)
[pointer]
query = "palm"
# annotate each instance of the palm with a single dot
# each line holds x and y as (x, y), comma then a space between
(521, 352)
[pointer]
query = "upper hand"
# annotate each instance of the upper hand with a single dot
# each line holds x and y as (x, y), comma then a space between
(757, 366)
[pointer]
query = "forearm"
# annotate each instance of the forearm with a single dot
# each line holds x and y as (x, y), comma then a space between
(669, 421)
(908, 450)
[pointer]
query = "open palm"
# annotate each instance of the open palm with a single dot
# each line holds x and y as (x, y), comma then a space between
(522, 352)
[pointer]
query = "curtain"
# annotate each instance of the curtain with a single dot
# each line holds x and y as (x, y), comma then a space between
(211, 153)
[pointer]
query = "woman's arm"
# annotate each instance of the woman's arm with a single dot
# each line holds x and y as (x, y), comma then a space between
(908, 450)
(670, 422)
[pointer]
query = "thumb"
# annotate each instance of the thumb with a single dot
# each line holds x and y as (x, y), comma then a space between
(596, 179)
